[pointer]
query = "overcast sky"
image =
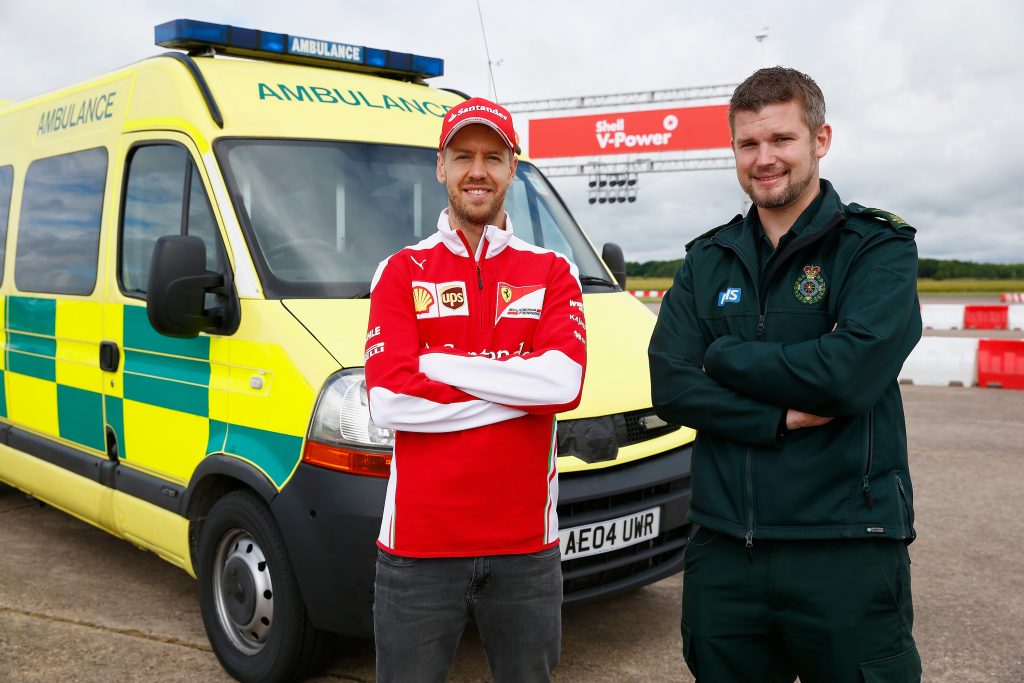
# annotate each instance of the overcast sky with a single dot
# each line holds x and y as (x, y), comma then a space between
(922, 95)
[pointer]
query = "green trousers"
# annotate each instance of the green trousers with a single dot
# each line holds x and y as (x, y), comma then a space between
(826, 611)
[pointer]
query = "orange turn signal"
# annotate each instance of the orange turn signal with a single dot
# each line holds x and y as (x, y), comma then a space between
(347, 460)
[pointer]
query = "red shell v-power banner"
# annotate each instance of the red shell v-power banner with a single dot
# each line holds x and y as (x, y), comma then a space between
(662, 130)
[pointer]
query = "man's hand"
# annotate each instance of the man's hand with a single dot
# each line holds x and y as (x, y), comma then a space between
(796, 419)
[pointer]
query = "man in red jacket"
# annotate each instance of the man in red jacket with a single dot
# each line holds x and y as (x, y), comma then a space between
(476, 340)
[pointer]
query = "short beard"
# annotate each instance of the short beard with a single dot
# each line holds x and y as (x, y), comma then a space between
(793, 191)
(464, 218)
(779, 201)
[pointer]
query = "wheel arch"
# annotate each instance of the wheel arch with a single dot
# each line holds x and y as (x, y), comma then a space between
(216, 476)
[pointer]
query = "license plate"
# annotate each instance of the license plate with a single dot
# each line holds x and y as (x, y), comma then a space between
(603, 537)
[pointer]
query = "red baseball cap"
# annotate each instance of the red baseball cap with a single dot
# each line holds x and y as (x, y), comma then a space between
(478, 110)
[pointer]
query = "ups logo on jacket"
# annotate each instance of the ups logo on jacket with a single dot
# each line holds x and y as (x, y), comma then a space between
(453, 296)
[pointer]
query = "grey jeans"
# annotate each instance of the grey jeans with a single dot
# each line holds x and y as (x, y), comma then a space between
(421, 607)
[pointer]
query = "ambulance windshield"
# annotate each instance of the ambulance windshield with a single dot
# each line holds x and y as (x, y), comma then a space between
(320, 216)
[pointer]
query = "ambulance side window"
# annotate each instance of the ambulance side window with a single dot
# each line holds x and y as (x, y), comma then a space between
(164, 195)
(6, 181)
(59, 228)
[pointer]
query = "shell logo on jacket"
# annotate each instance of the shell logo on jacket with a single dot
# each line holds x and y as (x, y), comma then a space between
(470, 358)
(436, 300)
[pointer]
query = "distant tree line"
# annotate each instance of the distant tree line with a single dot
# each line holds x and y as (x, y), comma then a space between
(939, 269)
(935, 269)
(653, 268)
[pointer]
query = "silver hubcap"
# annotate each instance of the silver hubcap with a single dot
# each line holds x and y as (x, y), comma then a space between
(243, 591)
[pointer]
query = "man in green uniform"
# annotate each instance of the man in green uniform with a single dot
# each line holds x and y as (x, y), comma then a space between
(780, 341)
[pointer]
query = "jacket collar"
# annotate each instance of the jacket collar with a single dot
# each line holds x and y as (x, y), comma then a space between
(494, 239)
(824, 216)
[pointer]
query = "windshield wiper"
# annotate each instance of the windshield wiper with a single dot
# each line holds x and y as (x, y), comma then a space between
(592, 280)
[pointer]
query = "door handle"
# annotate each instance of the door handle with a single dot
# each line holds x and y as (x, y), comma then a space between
(110, 356)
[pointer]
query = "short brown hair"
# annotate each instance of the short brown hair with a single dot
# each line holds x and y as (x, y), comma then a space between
(775, 85)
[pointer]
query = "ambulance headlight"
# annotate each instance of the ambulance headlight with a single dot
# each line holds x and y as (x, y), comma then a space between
(341, 434)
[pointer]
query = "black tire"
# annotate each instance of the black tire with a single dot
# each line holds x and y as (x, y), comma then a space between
(254, 615)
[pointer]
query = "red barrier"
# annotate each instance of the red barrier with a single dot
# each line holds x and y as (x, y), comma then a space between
(986, 317)
(1012, 297)
(1001, 363)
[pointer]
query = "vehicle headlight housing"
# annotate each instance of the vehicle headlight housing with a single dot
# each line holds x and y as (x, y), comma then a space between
(342, 436)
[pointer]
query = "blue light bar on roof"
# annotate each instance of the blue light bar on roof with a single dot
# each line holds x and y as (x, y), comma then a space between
(189, 34)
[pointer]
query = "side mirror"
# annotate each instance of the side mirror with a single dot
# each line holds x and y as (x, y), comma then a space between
(177, 289)
(612, 256)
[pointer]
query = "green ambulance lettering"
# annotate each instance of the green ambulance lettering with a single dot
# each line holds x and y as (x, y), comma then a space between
(323, 94)
(317, 94)
(76, 114)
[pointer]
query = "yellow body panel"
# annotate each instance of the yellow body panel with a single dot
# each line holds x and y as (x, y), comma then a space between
(87, 500)
(272, 351)
(142, 523)
(155, 529)
(32, 402)
(79, 328)
(175, 442)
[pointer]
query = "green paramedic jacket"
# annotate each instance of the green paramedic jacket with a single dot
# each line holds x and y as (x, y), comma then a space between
(826, 331)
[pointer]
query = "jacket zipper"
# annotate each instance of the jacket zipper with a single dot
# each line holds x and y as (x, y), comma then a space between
(480, 305)
(903, 501)
(748, 484)
(749, 536)
(866, 481)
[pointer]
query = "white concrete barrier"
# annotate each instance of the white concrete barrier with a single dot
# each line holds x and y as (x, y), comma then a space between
(941, 361)
(942, 316)
(1015, 320)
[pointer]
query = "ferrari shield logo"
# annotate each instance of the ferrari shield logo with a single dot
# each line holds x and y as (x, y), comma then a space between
(506, 293)
(810, 287)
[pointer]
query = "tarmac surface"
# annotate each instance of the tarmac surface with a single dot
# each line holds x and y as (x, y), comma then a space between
(79, 605)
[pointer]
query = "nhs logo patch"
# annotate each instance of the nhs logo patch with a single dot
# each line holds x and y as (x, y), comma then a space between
(731, 295)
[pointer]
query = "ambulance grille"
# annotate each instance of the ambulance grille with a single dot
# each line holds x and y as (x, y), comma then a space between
(598, 439)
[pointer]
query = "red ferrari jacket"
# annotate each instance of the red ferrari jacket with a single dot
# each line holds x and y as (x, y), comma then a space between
(468, 358)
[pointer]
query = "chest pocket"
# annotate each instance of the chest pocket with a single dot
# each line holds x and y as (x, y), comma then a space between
(731, 311)
(800, 306)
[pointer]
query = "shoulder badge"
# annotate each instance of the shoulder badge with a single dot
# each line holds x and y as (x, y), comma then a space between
(894, 221)
(810, 287)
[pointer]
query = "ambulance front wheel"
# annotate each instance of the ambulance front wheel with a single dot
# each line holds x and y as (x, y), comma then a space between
(251, 606)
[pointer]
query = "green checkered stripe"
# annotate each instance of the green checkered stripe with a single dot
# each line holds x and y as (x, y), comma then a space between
(168, 372)
(31, 350)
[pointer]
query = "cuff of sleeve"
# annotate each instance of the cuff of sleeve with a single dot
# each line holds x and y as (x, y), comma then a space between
(780, 430)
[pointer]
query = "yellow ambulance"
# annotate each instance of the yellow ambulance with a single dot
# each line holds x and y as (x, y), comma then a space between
(187, 246)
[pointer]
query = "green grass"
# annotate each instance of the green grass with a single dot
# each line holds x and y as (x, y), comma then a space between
(924, 286)
(648, 283)
(969, 286)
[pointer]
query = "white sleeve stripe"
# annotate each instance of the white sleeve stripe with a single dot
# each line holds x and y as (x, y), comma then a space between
(415, 414)
(380, 271)
(550, 378)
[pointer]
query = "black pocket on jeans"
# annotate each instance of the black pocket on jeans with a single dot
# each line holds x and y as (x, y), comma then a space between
(395, 560)
(546, 554)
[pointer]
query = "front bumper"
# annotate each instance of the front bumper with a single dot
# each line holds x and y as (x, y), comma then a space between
(587, 497)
